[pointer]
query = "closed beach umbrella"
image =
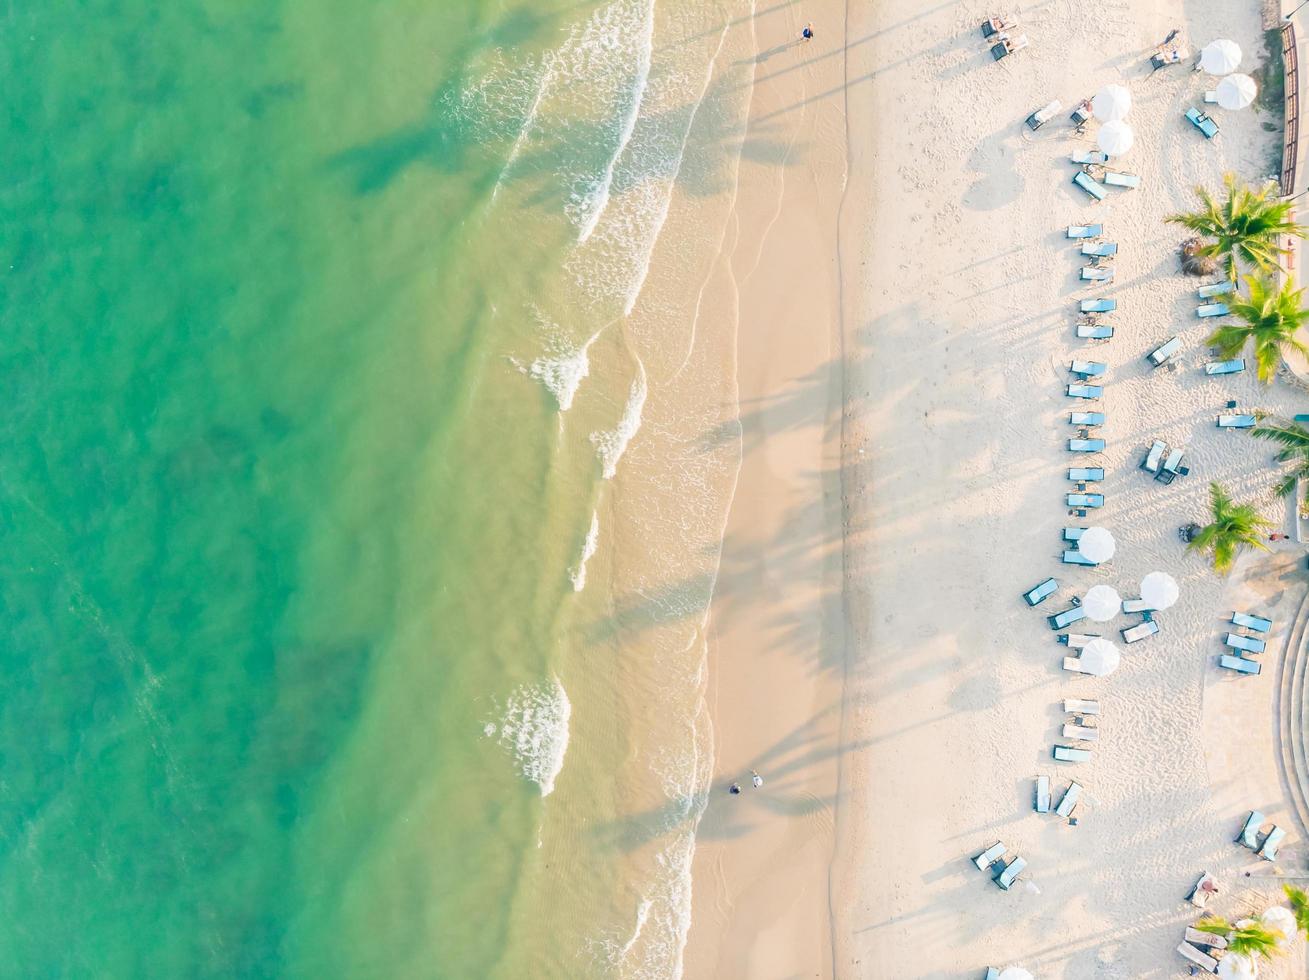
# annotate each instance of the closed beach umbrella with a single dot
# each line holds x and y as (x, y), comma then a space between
(1111, 102)
(1237, 966)
(1100, 657)
(1235, 91)
(1102, 603)
(1279, 919)
(1159, 590)
(1096, 544)
(1220, 57)
(1014, 973)
(1115, 138)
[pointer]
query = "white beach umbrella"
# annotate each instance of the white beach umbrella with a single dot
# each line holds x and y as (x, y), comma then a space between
(1159, 590)
(1100, 657)
(1280, 919)
(1115, 138)
(1220, 57)
(1237, 966)
(1096, 544)
(1235, 91)
(1102, 603)
(1014, 973)
(1111, 102)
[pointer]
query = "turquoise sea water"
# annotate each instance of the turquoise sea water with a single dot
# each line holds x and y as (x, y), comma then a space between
(292, 521)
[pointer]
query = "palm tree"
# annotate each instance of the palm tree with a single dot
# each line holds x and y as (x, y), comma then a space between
(1270, 316)
(1249, 938)
(1235, 526)
(1299, 900)
(1294, 440)
(1246, 226)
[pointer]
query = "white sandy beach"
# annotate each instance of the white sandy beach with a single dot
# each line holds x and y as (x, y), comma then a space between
(951, 318)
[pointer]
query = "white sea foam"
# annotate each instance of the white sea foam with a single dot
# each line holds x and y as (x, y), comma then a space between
(562, 374)
(534, 729)
(612, 444)
(592, 541)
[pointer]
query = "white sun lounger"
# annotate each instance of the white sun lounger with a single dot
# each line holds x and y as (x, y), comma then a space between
(1140, 631)
(1085, 231)
(1136, 606)
(1100, 250)
(1084, 391)
(1095, 331)
(1077, 706)
(1235, 366)
(1071, 795)
(1006, 877)
(1216, 289)
(1066, 618)
(1251, 622)
(1086, 474)
(1200, 959)
(1249, 835)
(1086, 445)
(1075, 665)
(1239, 664)
(1211, 309)
(1248, 643)
(1154, 457)
(1040, 592)
(1236, 421)
(1088, 369)
(1075, 641)
(1097, 273)
(989, 856)
(1080, 733)
(1103, 305)
(1083, 157)
(1042, 804)
(1086, 418)
(1199, 938)
(1116, 178)
(1164, 351)
(1087, 183)
(1271, 843)
(1066, 753)
(1075, 558)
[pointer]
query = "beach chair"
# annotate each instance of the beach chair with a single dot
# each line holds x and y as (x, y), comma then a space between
(1251, 622)
(1011, 872)
(1084, 180)
(1271, 843)
(1211, 309)
(1100, 250)
(1249, 835)
(1073, 533)
(1043, 115)
(1091, 500)
(1075, 558)
(1075, 641)
(1162, 59)
(1235, 366)
(1098, 305)
(1085, 231)
(1080, 733)
(1199, 958)
(1086, 474)
(1006, 48)
(1074, 665)
(1172, 467)
(1164, 351)
(1090, 157)
(995, 25)
(1116, 178)
(1095, 331)
(1088, 369)
(1086, 418)
(1042, 804)
(1039, 593)
(1081, 707)
(1215, 289)
(1070, 797)
(989, 856)
(1239, 664)
(1095, 273)
(1066, 618)
(1198, 938)
(1140, 631)
(1202, 122)
(1135, 606)
(1236, 421)
(1066, 753)
(1199, 897)
(1084, 391)
(1086, 445)
(992, 973)
(1154, 457)
(1249, 644)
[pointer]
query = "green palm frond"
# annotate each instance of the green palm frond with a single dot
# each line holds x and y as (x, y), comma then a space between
(1270, 318)
(1293, 438)
(1299, 902)
(1245, 227)
(1235, 526)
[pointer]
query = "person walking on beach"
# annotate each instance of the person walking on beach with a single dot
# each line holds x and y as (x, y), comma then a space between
(757, 779)
(808, 32)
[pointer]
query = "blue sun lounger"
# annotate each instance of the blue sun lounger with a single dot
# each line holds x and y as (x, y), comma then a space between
(1136, 606)
(1164, 351)
(1085, 391)
(1066, 618)
(1085, 231)
(1096, 273)
(1088, 369)
(1086, 418)
(992, 973)
(1271, 843)
(1249, 835)
(1154, 457)
(1215, 289)
(1097, 157)
(1249, 644)
(1066, 753)
(1070, 798)
(1086, 445)
(1236, 421)
(1098, 305)
(1235, 366)
(1074, 558)
(1039, 593)
(1086, 474)
(1211, 309)
(1073, 533)
(1006, 877)
(1257, 623)
(1095, 331)
(1116, 178)
(989, 856)
(1202, 122)
(1239, 664)
(1140, 631)
(1100, 250)
(1085, 500)
(1084, 180)
(1042, 804)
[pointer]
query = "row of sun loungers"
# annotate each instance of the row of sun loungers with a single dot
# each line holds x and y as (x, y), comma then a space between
(1245, 644)
(1164, 465)
(1249, 837)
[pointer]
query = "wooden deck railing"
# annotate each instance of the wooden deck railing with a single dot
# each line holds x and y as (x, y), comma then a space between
(1291, 134)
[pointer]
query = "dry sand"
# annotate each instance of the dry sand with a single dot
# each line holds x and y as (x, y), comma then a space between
(906, 300)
